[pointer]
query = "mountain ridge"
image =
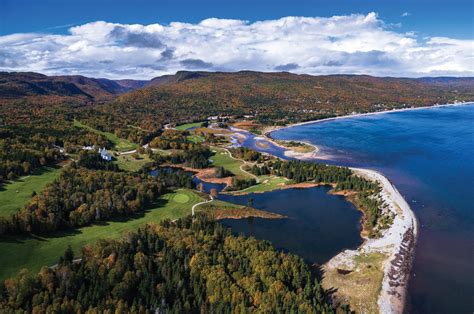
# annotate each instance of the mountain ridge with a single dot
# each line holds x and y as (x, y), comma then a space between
(29, 84)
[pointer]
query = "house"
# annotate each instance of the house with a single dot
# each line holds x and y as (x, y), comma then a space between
(61, 149)
(105, 154)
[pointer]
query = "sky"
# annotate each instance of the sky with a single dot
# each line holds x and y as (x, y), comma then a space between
(143, 39)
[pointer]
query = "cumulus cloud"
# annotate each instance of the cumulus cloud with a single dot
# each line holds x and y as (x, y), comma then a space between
(194, 64)
(356, 44)
(405, 14)
(287, 67)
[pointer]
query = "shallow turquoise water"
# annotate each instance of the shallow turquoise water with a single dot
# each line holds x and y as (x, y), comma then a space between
(429, 155)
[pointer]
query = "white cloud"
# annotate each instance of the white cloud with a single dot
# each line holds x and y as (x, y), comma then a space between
(405, 14)
(358, 44)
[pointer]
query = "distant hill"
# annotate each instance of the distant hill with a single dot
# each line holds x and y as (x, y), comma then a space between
(137, 110)
(450, 81)
(178, 77)
(129, 85)
(285, 96)
(362, 92)
(273, 98)
(27, 84)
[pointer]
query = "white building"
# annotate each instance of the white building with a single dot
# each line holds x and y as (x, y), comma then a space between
(105, 154)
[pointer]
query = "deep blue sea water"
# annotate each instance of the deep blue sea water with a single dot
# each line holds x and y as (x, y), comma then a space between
(429, 155)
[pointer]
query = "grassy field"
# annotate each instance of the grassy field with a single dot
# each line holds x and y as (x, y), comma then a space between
(129, 163)
(121, 145)
(222, 210)
(222, 159)
(195, 138)
(184, 127)
(360, 288)
(35, 252)
(267, 184)
(16, 194)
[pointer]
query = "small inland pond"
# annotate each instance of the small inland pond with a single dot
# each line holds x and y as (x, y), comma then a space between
(318, 227)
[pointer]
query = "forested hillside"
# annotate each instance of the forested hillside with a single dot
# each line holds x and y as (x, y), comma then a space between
(272, 98)
(282, 96)
(182, 267)
(28, 84)
(83, 196)
(43, 107)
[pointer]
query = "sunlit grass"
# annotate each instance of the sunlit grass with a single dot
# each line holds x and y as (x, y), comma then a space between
(33, 252)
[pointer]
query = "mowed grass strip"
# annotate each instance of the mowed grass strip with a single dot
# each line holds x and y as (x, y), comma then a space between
(184, 127)
(267, 184)
(14, 195)
(195, 138)
(221, 158)
(34, 252)
(130, 163)
(121, 145)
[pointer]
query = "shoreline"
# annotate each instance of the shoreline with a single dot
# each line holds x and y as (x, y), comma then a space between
(288, 151)
(266, 134)
(271, 129)
(398, 242)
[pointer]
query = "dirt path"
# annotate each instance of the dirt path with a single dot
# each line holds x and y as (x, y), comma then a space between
(200, 203)
(244, 164)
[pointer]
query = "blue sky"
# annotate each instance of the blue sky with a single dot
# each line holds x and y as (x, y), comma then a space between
(143, 39)
(453, 18)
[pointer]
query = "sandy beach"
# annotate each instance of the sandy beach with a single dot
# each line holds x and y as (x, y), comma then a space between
(398, 242)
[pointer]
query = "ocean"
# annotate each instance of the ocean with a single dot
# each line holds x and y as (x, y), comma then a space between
(429, 155)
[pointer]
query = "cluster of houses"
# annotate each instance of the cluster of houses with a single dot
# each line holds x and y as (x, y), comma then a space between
(226, 118)
(102, 151)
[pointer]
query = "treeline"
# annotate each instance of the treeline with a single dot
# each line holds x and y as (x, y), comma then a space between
(24, 148)
(245, 153)
(302, 171)
(221, 172)
(182, 267)
(93, 160)
(83, 196)
(116, 122)
(80, 197)
(34, 135)
(241, 183)
(172, 139)
(197, 157)
(171, 177)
